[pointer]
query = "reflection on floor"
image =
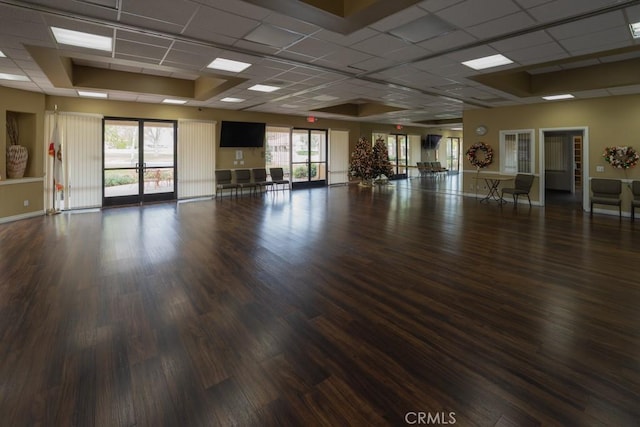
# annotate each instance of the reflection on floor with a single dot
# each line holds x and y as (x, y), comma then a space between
(557, 197)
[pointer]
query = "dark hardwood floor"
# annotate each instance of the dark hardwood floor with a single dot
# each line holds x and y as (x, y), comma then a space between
(341, 306)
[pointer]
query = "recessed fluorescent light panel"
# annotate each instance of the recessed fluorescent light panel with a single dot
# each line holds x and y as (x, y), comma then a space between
(14, 77)
(228, 65)
(557, 97)
(2, 55)
(81, 39)
(231, 99)
(90, 94)
(488, 62)
(264, 88)
(635, 29)
(325, 98)
(174, 101)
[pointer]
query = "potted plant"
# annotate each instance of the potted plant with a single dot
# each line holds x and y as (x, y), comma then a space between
(17, 155)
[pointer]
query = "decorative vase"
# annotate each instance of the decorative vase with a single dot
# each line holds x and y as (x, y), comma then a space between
(17, 156)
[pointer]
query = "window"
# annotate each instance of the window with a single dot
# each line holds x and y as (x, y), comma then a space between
(516, 151)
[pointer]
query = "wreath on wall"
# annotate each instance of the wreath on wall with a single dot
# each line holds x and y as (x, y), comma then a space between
(480, 161)
(621, 157)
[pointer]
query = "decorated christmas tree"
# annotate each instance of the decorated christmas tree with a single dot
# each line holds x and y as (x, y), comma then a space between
(361, 160)
(380, 163)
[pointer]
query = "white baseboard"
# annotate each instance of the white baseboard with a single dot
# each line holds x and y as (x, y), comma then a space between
(21, 216)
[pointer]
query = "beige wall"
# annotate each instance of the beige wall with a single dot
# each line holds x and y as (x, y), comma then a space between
(13, 196)
(610, 121)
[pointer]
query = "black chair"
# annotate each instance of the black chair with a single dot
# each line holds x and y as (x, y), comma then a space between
(635, 203)
(522, 186)
(277, 177)
(260, 178)
(606, 192)
(224, 182)
(243, 179)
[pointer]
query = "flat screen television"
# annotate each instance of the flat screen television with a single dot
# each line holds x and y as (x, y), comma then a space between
(242, 134)
(431, 141)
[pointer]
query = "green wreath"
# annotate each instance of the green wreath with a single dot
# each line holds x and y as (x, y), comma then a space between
(485, 160)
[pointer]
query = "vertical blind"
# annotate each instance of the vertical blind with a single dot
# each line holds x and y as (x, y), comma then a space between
(415, 154)
(554, 153)
(338, 157)
(81, 138)
(196, 158)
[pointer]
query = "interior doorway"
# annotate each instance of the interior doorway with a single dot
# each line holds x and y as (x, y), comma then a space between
(563, 167)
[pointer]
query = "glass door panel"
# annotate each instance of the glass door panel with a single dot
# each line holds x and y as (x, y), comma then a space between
(453, 155)
(392, 148)
(402, 155)
(318, 155)
(121, 158)
(300, 155)
(159, 157)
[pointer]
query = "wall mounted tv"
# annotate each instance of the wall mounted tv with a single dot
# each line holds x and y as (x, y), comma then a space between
(431, 142)
(242, 134)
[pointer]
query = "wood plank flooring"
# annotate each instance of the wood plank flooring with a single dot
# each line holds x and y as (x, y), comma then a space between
(336, 306)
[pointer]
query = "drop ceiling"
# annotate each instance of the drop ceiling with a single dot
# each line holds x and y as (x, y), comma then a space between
(367, 60)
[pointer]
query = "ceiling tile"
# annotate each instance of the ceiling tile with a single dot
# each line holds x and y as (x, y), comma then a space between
(379, 45)
(170, 11)
(474, 12)
(273, 36)
(151, 24)
(291, 24)
(520, 42)
(344, 56)
(210, 21)
(240, 8)
(407, 53)
(123, 47)
(313, 47)
(346, 40)
(423, 28)
(399, 19)
(447, 41)
(589, 26)
(537, 54)
(143, 38)
(376, 63)
(593, 41)
(503, 25)
(255, 47)
(558, 9)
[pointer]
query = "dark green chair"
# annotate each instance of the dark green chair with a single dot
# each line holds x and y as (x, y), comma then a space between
(606, 192)
(522, 186)
(224, 182)
(277, 177)
(260, 178)
(635, 203)
(243, 180)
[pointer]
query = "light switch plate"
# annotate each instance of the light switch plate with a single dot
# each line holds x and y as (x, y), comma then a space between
(599, 168)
